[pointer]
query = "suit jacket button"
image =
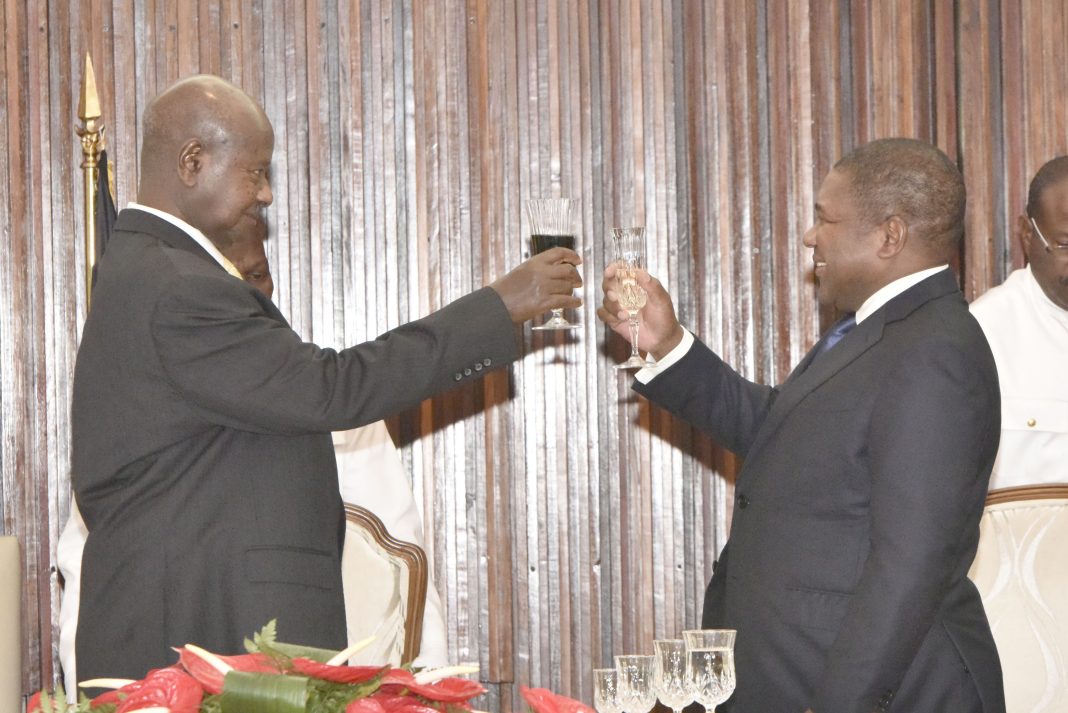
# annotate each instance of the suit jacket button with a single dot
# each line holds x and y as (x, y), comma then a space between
(487, 361)
(467, 371)
(457, 376)
(743, 502)
(478, 367)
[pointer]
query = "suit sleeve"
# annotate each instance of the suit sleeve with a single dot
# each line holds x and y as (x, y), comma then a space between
(929, 442)
(701, 389)
(244, 369)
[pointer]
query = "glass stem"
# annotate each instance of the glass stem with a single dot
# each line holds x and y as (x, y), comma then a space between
(633, 323)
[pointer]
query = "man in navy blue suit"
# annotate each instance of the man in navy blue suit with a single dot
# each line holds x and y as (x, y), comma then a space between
(857, 507)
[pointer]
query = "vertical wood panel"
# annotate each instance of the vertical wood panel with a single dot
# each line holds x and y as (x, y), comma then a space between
(566, 519)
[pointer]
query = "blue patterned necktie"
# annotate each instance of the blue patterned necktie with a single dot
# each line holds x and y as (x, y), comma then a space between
(837, 332)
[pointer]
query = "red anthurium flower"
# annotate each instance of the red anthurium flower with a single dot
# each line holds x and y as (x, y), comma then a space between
(165, 688)
(393, 703)
(542, 700)
(35, 703)
(365, 705)
(337, 674)
(211, 678)
(447, 690)
(113, 697)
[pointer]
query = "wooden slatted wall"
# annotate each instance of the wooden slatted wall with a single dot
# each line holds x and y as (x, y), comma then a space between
(567, 519)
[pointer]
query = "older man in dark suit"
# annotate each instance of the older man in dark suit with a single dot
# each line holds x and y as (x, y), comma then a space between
(202, 461)
(857, 507)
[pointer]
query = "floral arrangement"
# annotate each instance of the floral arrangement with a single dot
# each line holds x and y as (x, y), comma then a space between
(273, 678)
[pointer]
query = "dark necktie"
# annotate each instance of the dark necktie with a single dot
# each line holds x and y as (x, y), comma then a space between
(838, 331)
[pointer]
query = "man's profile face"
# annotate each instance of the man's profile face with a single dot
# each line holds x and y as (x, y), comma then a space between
(233, 186)
(843, 246)
(1050, 268)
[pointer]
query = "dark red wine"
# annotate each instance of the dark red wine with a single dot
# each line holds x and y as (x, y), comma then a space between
(541, 243)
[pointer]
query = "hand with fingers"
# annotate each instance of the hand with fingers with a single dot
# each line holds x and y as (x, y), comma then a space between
(660, 329)
(544, 282)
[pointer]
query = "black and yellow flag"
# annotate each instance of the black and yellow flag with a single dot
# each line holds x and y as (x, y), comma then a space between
(104, 209)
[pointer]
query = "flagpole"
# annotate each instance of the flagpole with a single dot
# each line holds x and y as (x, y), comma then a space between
(92, 135)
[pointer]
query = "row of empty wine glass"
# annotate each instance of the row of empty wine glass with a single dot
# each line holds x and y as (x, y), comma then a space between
(697, 668)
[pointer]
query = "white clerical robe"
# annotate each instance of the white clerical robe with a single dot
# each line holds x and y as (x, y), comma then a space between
(1029, 337)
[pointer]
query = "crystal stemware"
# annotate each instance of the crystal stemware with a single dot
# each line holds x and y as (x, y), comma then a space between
(710, 654)
(635, 675)
(553, 223)
(628, 251)
(671, 682)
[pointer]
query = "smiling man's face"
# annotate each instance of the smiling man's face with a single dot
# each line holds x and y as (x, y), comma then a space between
(844, 246)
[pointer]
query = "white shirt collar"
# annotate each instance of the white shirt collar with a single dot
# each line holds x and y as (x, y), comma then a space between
(891, 290)
(192, 232)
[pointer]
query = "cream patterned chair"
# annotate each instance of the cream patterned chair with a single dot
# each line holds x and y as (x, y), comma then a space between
(385, 584)
(1021, 569)
(10, 628)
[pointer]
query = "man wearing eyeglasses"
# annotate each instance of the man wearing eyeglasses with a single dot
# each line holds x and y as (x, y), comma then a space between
(1026, 322)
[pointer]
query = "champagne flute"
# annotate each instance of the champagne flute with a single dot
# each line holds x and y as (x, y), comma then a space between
(628, 248)
(710, 655)
(606, 691)
(552, 224)
(635, 675)
(672, 682)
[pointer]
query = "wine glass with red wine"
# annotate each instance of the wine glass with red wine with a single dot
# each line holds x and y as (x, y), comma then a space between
(553, 223)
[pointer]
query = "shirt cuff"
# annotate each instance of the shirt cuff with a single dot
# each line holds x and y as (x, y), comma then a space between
(649, 373)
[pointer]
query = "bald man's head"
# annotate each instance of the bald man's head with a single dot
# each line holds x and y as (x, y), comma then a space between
(205, 155)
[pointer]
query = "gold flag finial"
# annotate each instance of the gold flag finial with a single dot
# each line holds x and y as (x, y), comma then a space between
(89, 104)
(92, 136)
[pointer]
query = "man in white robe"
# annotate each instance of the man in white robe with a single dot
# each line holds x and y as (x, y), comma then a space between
(1025, 319)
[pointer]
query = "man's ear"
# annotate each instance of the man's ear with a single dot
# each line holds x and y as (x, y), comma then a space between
(1024, 234)
(190, 161)
(895, 233)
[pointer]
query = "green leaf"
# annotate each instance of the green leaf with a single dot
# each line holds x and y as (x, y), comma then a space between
(210, 704)
(263, 641)
(84, 705)
(263, 693)
(330, 697)
(308, 652)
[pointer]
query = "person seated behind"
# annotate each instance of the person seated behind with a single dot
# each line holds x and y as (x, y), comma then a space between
(363, 450)
(1025, 319)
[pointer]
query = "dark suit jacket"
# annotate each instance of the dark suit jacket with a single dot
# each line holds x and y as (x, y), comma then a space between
(202, 460)
(856, 514)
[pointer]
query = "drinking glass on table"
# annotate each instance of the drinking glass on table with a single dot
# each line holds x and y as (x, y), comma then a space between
(671, 682)
(628, 251)
(710, 654)
(605, 691)
(635, 676)
(553, 223)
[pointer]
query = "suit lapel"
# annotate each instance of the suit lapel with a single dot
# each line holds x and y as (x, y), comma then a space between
(131, 220)
(812, 372)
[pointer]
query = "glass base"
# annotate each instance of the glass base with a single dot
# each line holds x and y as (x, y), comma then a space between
(555, 322)
(635, 362)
